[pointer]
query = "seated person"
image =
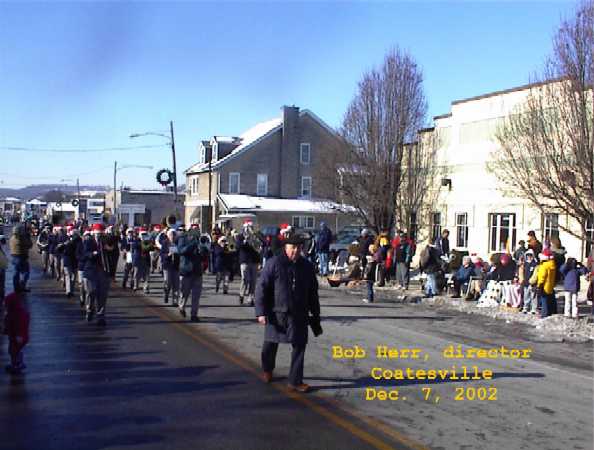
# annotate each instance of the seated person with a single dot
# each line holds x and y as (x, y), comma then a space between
(462, 276)
(505, 270)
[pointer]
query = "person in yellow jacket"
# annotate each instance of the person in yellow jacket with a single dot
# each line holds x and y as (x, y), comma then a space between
(546, 284)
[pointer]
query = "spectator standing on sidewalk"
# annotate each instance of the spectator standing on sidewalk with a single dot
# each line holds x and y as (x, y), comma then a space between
(286, 303)
(369, 273)
(20, 244)
(323, 247)
(525, 272)
(571, 271)
(519, 252)
(429, 262)
(534, 244)
(443, 244)
(364, 242)
(546, 284)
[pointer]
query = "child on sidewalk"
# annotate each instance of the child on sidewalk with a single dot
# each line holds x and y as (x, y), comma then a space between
(370, 271)
(16, 327)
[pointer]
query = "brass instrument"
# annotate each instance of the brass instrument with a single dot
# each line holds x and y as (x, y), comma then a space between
(205, 241)
(252, 239)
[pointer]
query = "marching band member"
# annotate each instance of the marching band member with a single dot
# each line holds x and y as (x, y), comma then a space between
(96, 272)
(70, 262)
(43, 245)
(222, 263)
(170, 264)
(126, 247)
(249, 258)
(192, 258)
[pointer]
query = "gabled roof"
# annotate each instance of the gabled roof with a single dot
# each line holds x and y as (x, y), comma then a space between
(251, 137)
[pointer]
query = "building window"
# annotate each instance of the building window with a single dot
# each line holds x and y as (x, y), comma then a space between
(234, 183)
(305, 153)
(462, 230)
(306, 187)
(589, 242)
(502, 232)
(215, 151)
(262, 184)
(202, 153)
(304, 222)
(435, 226)
(138, 219)
(551, 225)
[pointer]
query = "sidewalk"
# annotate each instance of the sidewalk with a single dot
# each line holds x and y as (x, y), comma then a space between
(554, 328)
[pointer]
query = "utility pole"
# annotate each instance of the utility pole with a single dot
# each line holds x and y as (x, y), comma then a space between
(78, 197)
(209, 193)
(115, 198)
(174, 165)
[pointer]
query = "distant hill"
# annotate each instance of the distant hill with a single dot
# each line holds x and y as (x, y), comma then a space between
(37, 190)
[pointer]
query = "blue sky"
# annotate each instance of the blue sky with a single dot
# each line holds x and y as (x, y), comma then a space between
(86, 75)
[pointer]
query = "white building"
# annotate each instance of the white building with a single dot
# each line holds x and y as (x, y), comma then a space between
(480, 218)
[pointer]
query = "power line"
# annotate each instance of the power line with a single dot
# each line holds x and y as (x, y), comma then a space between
(80, 150)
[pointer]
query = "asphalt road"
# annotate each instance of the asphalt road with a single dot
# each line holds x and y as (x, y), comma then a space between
(147, 381)
(153, 380)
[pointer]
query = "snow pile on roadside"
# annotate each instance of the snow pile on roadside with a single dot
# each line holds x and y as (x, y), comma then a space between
(555, 325)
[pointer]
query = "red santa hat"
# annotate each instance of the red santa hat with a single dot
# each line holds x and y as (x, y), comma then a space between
(69, 228)
(98, 227)
(142, 230)
(157, 227)
(546, 254)
(248, 223)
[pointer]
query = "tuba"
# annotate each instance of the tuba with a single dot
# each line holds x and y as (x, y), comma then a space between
(253, 239)
(205, 241)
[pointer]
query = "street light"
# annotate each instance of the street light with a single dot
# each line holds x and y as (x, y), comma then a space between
(171, 142)
(115, 171)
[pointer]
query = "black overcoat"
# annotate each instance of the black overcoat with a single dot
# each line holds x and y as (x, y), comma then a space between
(287, 295)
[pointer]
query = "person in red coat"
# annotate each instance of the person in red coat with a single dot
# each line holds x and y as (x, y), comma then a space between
(16, 327)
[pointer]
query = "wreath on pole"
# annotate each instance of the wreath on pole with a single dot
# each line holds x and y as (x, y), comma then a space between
(75, 202)
(164, 177)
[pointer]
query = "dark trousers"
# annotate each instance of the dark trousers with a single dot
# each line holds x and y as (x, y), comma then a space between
(548, 305)
(269, 350)
(370, 290)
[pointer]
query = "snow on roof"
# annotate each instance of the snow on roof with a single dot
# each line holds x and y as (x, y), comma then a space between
(250, 137)
(247, 202)
(12, 199)
(36, 201)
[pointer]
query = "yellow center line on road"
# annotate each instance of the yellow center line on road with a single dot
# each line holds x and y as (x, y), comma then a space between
(217, 347)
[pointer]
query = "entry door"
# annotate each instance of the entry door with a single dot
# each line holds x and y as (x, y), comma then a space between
(502, 232)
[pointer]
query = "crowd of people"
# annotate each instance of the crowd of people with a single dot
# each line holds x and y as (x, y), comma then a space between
(85, 261)
(89, 257)
(524, 279)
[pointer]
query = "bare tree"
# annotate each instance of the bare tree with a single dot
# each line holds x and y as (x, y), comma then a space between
(546, 152)
(386, 113)
(417, 195)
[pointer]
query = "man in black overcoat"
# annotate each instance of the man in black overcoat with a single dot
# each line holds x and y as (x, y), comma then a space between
(286, 303)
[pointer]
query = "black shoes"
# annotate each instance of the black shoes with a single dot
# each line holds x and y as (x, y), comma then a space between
(182, 312)
(240, 300)
(89, 316)
(194, 319)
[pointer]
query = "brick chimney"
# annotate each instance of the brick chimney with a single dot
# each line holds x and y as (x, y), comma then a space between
(289, 154)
